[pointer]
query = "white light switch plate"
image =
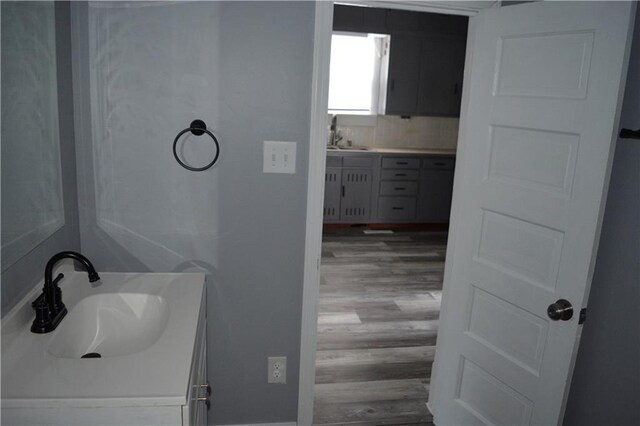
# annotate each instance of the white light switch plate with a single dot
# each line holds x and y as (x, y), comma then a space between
(279, 157)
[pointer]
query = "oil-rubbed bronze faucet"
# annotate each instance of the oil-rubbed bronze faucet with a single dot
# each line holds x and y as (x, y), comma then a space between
(48, 306)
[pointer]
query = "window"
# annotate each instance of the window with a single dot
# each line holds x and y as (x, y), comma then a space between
(358, 72)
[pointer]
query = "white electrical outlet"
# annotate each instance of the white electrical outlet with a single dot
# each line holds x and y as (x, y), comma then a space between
(277, 369)
(279, 157)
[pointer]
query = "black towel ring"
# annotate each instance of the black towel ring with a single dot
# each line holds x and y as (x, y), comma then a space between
(197, 127)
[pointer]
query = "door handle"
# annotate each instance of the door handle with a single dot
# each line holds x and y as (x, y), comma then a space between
(560, 310)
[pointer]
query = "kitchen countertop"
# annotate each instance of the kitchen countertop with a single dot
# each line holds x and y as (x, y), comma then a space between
(423, 151)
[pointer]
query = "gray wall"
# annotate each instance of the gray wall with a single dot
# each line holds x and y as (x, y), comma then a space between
(21, 277)
(606, 381)
(245, 69)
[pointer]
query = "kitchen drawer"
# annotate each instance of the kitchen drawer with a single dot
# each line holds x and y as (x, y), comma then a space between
(398, 188)
(436, 163)
(334, 161)
(390, 174)
(400, 163)
(348, 161)
(396, 208)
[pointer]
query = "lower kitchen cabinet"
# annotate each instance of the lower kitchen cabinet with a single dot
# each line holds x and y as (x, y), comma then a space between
(347, 189)
(436, 188)
(388, 188)
(355, 204)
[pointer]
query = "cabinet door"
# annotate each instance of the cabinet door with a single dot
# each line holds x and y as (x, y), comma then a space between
(434, 196)
(404, 75)
(332, 194)
(355, 205)
(348, 18)
(441, 70)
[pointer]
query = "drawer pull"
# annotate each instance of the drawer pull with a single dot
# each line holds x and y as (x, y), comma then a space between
(397, 208)
(399, 188)
(440, 164)
(403, 163)
(401, 174)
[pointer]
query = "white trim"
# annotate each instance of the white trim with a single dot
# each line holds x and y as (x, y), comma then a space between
(315, 201)
(315, 188)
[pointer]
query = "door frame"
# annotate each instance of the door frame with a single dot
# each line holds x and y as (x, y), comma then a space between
(317, 164)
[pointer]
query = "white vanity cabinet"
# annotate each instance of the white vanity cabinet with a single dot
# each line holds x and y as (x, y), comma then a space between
(164, 383)
(194, 413)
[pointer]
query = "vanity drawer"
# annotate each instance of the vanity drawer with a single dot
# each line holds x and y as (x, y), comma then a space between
(432, 163)
(396, 208)
(398, 188)
(400, 163)
(348, 161)
(399, 174)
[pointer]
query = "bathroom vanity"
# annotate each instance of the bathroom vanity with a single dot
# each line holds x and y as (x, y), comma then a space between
(132, 350)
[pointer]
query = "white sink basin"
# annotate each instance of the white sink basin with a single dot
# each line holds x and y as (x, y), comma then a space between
(110, 325)
(139, 323)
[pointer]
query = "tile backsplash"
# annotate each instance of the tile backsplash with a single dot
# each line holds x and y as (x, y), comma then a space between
(387, 131)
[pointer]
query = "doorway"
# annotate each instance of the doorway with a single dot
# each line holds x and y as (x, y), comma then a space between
(386, 211)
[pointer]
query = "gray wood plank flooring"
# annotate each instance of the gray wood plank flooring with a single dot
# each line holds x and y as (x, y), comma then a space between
(377, 325)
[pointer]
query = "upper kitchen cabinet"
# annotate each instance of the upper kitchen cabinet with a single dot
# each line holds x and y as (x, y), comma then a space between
(359, 19)
(426, 58)
(404, 75)
(431, 62)
(441, 75)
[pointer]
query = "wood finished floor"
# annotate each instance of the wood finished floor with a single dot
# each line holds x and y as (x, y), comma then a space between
(377, 323)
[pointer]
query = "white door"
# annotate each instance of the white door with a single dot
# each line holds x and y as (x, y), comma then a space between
(539, 115)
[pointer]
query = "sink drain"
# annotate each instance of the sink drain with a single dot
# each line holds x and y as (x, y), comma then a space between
(91, 355)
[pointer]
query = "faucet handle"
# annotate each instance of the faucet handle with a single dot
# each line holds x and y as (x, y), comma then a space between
(57, 279)
(42, 321)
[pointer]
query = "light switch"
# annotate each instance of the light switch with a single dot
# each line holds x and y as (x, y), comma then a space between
(279, 157)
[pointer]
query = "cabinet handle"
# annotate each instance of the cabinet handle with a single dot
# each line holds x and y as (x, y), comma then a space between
(342, 189)
(399, 188)
(403, 163)
(401, 174)
(397, 208)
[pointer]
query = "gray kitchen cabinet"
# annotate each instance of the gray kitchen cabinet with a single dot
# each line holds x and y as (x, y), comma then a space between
(425, 75)
(332, 194)
(348, 187)
(404, 75)
(435, 189)
(359, 19)
(355, 205)
(441, 76)
(398, 188)
(388, 188)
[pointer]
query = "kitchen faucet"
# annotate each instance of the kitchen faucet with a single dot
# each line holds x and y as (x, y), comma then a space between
(48, 306)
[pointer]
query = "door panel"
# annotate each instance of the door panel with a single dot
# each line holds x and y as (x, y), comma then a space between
(536, 141)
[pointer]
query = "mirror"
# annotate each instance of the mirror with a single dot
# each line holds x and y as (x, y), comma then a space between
(32, 204)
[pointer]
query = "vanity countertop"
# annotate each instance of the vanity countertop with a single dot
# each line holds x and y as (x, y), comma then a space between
(157, 375)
